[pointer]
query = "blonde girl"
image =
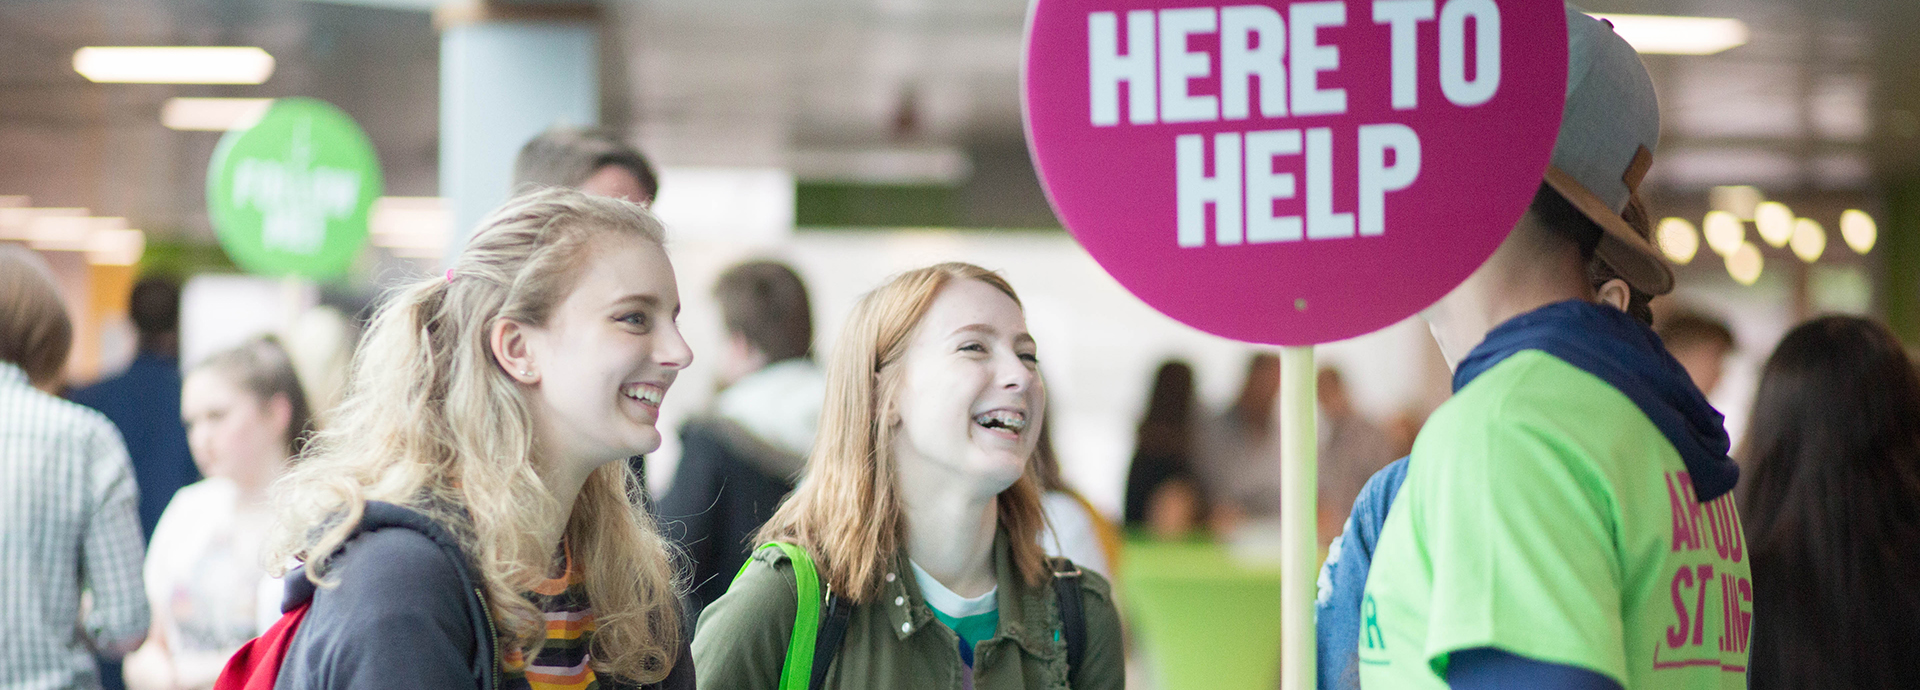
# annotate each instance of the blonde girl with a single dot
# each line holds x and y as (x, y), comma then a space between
(464, 521)
(921, 507)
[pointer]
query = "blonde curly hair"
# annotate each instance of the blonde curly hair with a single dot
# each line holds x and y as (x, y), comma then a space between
(432, 422)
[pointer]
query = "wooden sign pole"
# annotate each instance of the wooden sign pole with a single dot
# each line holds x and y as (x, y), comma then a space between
(1299, 535)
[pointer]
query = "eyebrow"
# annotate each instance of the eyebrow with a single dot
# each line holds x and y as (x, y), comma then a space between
(989, 330)
(646, 300)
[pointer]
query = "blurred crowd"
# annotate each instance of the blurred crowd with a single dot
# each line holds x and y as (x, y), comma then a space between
(151, 491)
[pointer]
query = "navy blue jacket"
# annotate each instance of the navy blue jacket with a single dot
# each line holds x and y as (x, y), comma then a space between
(407, 612)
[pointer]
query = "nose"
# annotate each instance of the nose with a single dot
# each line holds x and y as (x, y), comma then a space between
(1015, 375)
(672, 351)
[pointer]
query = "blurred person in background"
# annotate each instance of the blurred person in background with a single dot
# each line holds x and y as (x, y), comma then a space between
(69, 510)
(1701, 343)
(595, 161)
(144, 400)
(1161, 480)
(247, 419)
(1074, 530)
(1351, 450)
(467, 505)
(320, 345)
(921, 508)
(743, 455)
(1238, 453)
(1832, 509)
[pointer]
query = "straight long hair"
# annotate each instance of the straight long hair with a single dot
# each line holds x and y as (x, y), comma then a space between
(846, 511)
(432, 422)
(1832, 510)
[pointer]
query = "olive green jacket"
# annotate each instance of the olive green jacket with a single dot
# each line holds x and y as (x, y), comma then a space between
(895, 642)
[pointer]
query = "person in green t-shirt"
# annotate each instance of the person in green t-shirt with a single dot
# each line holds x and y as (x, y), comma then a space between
(1565, 520)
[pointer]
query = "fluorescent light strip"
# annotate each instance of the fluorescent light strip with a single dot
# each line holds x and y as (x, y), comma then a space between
(212, 114)
(1656, 34)
(174, 65)
(116, 247)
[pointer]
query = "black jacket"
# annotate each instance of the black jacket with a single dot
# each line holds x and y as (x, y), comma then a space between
(406, 613)
(727, 485)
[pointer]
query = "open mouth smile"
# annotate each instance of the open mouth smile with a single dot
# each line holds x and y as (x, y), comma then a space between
(647, 394)
(1002, 420)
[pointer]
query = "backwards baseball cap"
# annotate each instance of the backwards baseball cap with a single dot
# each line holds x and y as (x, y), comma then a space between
(1608, 131)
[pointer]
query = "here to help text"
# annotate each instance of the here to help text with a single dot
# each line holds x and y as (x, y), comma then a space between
(1278, 61)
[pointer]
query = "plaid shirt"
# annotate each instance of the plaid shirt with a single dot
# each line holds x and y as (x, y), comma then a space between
(69, 523)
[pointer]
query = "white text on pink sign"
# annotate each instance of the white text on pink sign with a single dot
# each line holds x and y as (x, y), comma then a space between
(1279, 61)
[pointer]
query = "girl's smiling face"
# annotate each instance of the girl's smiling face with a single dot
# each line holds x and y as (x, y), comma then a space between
(970, 396)
(603, 362)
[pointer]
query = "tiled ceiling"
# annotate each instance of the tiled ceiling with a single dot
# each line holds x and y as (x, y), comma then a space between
(1815, 101)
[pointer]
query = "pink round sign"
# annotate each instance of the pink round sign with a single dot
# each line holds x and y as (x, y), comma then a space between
(1292, 173)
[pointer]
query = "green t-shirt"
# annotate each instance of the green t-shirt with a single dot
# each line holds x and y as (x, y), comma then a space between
(1544, 515)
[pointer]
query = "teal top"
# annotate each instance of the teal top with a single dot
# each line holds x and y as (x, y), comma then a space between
(973, 619)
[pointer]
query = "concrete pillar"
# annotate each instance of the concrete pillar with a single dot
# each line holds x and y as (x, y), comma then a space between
(507, 73)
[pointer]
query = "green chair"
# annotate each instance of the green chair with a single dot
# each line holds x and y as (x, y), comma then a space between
(1203, 619)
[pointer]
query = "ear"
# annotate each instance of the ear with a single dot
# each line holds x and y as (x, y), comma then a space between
(1614, 293)
(513, 351)
(280, 410)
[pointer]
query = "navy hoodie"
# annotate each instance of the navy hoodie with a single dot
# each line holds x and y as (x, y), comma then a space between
(405, 612)
(1602, 341)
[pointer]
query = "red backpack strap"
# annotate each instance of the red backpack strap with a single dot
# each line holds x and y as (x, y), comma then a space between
(257, 665)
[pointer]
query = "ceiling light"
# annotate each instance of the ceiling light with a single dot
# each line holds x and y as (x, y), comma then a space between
(1745, 263)
(1738, 200)
(1677, 35)
(1858, 229)
(116, 247)
(1774, 221)
(18, 223)
(1724, 232)
(1809, 240)
(174, 65)
(212, 114)
(69, 233)
(1678, 240)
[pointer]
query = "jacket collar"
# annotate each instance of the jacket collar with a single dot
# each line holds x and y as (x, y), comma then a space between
(1026, 613)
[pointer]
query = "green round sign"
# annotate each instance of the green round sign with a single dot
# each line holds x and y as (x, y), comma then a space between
(291, 194)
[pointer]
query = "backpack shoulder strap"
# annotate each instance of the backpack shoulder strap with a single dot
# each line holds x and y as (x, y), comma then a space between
(797, 672)
(833, 631)
(1073, 614)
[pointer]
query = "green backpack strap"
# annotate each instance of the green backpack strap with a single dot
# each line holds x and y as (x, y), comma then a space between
(797, 672)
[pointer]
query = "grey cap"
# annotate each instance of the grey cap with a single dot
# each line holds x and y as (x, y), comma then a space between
(1608, 132)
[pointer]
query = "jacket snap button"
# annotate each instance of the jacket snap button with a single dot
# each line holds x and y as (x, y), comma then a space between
(899, 601)
(906, 627)
(889, 577)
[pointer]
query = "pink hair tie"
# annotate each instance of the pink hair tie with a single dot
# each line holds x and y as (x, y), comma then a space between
(449, 275)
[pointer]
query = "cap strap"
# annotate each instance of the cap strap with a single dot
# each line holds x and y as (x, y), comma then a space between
(1637, 169)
